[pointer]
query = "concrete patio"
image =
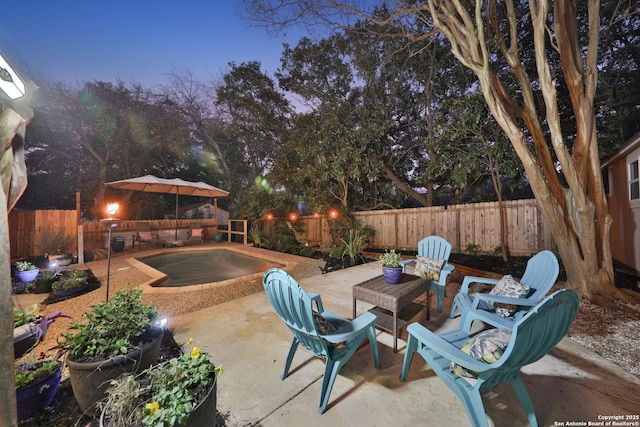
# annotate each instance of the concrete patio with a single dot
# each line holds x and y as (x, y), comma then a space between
(251, 343)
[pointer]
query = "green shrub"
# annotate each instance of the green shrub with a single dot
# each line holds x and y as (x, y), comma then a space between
(112, 328)
(307, 251)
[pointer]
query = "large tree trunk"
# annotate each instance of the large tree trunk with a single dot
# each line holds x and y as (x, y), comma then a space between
(13, 181)
(576, 211)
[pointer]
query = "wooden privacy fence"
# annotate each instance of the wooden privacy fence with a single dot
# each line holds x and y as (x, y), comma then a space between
(95, 234)
(27, 230)
(476, 225)
(464, 226)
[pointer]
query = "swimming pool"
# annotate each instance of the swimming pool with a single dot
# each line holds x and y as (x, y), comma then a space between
(185, 268)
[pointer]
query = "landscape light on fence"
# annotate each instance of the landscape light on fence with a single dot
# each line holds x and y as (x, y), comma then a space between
(269, 216)
(10, 83)
(333, 214)
(293, 216)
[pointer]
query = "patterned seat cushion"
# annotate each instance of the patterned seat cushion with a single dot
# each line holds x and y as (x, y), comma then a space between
(508, 287)
(487, 346)
(324, 326)
(429, 268)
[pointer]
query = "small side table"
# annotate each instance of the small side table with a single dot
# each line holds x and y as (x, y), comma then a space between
(393, 298)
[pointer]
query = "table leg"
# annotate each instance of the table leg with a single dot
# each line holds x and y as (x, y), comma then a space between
(354, 308)
(395, 331)
(428, 308)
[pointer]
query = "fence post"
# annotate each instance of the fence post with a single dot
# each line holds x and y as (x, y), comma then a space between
(80, 245)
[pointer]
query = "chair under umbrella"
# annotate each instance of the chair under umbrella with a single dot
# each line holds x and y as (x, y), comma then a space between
(177, 186)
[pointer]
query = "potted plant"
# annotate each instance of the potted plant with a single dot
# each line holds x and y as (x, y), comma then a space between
(37, 381)
(256, 236)
(117, 336)
(29, 328)
(391, 269)
(179, 392)
(56, 245)
(218, 237)
(69, 285)
(117, 243)
(352, 246)
(26, 271)
(24, 322)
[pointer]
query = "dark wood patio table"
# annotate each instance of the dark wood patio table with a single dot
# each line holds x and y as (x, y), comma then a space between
(393, 298)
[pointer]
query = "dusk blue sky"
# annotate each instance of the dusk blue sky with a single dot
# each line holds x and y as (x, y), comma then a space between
(136, 41)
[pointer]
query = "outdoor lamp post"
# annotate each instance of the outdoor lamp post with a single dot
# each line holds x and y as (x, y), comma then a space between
(10, 83)
(111, 223)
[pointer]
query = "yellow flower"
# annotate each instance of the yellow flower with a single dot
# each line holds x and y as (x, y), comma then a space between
(189, 341)
(152, 407)
(195, 352)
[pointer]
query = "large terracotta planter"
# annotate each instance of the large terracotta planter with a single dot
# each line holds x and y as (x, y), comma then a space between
(90, 380)
(392, 275)
(34, 397)
(203, 415)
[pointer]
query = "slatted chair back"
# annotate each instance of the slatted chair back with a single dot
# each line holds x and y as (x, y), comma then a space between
(533, 336)
(293, 306)
(540, 274)
(335, 341)
(434, 247)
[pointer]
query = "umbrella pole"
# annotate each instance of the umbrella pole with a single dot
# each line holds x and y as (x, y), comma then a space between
(176, 235)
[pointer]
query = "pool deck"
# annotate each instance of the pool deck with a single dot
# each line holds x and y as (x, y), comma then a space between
(245, 336)
(251, 343)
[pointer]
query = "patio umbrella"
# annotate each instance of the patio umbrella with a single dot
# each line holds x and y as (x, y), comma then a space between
(177, 186)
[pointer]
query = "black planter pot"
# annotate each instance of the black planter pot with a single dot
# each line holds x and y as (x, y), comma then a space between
(117, 244)
(90, 380)
(203, 415)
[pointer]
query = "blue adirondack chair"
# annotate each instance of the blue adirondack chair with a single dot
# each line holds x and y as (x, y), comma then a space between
(435, 247)
(294, 306)
(540, 275)
(532, 337)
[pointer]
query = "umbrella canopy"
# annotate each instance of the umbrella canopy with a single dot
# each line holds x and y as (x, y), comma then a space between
(154, 184)
(177, 186)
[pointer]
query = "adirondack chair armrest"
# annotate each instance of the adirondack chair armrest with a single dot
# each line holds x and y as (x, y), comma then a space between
(406, 262)
(474, 279)
(445, 349)
(446, 270)
(351, 329)
(316, 297)
(502, 300)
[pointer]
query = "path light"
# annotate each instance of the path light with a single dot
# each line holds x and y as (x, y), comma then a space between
(10, 82)
(111, 223)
